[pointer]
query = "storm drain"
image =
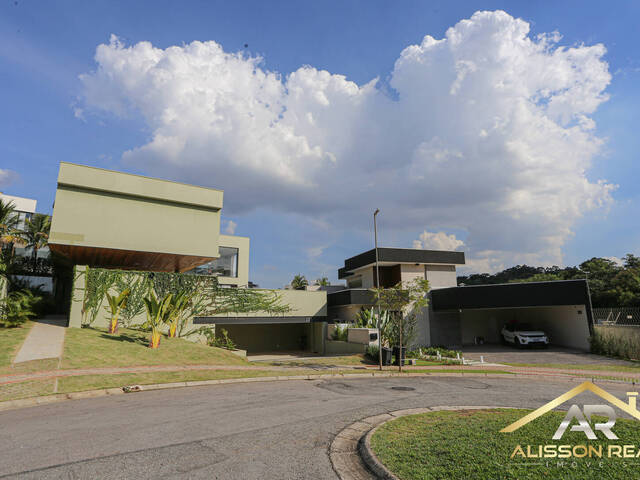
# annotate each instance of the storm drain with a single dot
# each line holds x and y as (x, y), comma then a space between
(403, 389)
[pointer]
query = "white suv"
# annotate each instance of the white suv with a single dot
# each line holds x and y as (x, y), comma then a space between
(521, 334)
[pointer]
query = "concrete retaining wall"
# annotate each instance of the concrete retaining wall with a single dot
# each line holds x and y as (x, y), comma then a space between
(337, 347)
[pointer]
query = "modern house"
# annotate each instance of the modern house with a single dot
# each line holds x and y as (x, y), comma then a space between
(108, 219)
(461, 315)
(24, 207)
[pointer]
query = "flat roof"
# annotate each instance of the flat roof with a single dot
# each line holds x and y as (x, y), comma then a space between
(401, 255)
(512, 295)
(21, 204)
(101, 180)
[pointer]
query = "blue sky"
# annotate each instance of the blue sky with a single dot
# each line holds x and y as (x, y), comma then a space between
(45, 46)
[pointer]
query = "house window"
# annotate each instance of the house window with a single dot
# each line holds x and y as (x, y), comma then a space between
(225, 266)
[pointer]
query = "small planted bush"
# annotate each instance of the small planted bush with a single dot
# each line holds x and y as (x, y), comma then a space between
(221, 341)
(372, 352)
(340, 333)
(444, 352)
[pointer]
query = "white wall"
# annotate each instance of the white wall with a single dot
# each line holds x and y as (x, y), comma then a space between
(567, 326)
(408, 273)
(441, 276)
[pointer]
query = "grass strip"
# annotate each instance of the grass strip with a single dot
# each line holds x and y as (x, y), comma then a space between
(468, 444)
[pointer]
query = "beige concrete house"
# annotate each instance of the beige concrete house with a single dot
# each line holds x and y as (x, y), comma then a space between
(108, 219)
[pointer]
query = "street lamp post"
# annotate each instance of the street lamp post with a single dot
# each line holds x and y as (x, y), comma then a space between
(375, 235)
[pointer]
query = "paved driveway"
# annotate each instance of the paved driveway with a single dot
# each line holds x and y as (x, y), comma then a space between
(250, 431)
(509, 354)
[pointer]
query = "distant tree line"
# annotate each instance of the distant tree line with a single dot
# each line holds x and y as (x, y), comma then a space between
(611, 284)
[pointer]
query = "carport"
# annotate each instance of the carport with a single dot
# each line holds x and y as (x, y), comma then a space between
(462, 315)
(270, 334)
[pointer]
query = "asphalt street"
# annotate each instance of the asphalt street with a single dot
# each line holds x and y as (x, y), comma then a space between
(270, 430)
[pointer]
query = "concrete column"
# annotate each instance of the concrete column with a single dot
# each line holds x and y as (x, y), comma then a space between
(77, 296)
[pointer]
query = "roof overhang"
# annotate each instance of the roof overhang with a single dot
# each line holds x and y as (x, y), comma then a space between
(128, 259)
(514, 295)
(256, 320)
(393, 256)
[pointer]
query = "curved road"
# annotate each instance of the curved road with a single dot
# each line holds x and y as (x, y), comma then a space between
(270, 430)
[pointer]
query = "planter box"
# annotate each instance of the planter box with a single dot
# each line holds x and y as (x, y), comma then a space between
(365, 336)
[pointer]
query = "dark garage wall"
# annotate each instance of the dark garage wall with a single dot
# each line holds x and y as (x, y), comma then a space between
(269, 337)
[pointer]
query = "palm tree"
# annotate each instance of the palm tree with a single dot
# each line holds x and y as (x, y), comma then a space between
(36, 235)
(8, 222)
(322, 282)
(299, 282)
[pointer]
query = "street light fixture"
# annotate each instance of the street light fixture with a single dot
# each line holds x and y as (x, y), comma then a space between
(375, 235)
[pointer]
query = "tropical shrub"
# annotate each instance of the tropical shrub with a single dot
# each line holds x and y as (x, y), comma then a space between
(340, 333)
(366, 318)
(158, 312)
(16, 308)
(180, 305)
(115, 304)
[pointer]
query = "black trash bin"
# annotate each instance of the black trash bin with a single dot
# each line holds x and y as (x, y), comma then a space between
(386, 356)
(396, 354)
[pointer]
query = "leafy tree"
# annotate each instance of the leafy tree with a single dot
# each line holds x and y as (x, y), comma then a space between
(299, 282)
(610, 284)
(323, 281)
(402, 303)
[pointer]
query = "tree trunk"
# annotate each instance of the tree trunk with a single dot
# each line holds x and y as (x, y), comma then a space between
(35, 259)
(400, 353)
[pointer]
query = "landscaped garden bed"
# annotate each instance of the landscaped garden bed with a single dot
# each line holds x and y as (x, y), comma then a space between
(468, 444)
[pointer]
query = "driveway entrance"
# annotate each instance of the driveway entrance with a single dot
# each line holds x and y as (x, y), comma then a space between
(509, 354)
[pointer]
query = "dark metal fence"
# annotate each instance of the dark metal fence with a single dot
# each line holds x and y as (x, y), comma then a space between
(617, 316)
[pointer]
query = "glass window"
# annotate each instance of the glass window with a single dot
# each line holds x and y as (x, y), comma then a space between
(225, 266)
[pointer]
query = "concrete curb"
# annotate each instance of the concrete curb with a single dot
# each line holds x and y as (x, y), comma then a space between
(60, 397)
(351, 454)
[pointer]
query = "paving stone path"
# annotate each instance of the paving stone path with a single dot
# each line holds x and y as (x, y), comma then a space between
(45, 340)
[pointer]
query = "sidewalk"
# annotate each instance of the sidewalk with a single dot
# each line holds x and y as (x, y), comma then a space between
(45, 340)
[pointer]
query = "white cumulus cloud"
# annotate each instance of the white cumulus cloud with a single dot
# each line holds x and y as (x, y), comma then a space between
(230, 227)
(489, 131)
(7, 176)
(437, 241)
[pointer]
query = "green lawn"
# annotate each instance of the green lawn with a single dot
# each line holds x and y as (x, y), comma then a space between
(572, 366)
(468, 444)
(10, 341)
(89, 347)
